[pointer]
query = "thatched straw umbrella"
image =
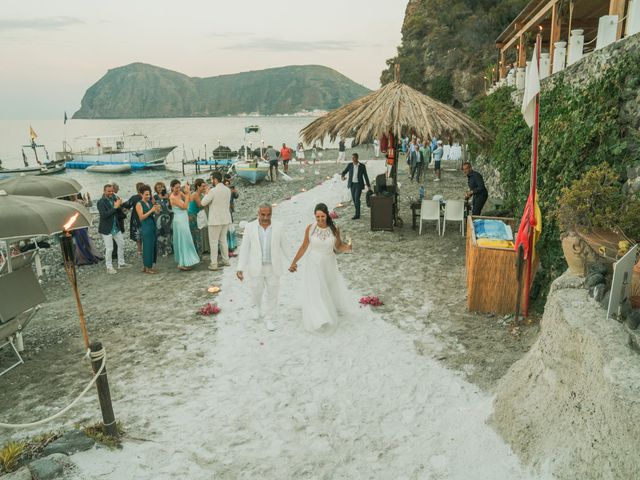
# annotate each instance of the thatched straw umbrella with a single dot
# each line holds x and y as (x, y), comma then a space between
(394, 109)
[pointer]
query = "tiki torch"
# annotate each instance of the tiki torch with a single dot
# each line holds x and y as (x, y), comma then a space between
(70, 267)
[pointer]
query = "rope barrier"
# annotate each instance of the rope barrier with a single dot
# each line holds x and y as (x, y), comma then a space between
(94, 356)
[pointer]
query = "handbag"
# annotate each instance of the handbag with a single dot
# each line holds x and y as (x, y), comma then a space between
(367, 198)
(201, 219)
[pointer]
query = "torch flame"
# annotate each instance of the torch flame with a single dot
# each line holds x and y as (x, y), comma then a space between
(67, 226)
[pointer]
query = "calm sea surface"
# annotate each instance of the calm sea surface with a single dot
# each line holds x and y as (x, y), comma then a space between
(189, 134)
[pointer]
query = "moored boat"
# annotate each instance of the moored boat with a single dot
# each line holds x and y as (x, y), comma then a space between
(252, 172)
(47, 167)
(114, 150)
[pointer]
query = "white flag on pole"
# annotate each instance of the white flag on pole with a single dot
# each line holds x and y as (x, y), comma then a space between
(531, 89)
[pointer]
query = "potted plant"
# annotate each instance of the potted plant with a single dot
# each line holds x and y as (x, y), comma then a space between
(594, 216)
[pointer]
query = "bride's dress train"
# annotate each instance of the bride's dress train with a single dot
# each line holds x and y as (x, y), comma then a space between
(324, 292)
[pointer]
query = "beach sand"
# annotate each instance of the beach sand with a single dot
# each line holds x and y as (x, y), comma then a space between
(402, 391)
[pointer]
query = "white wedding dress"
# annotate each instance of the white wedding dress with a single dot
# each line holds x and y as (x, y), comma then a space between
(324, 291)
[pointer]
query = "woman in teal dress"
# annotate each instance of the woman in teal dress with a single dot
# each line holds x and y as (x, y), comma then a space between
(195, 206)
(183, 248)
(146, 215)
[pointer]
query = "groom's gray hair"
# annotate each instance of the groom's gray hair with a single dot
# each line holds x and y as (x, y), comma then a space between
(265, 205)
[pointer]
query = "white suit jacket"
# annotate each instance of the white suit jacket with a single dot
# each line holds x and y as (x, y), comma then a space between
(219, 200)
(250, 257)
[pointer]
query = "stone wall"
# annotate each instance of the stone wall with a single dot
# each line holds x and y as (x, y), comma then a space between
(571, 405)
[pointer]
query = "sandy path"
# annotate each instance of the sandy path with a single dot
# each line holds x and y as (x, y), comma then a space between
(246, 403)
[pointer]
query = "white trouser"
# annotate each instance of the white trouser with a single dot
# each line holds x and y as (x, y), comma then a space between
(341, 156)
(218, 235)
(269, 282)
(108, 247)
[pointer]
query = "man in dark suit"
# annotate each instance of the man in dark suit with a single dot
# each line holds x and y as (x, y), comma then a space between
(357, 178)
(109, 228)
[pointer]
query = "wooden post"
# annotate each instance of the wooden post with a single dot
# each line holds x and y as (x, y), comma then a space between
(503, 65)
(522, 53)
(556, 28)
(616, 7)
(109, 426)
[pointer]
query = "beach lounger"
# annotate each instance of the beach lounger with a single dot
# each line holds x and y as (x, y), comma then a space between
(21, 297)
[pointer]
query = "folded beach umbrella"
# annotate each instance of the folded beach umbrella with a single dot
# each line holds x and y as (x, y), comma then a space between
(42, 186)
(28, 217)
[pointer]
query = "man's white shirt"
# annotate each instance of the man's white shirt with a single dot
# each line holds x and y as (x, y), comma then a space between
(265, 244)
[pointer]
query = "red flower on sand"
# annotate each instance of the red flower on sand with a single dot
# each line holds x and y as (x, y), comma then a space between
(333, 214)
(372, 300)
(209, 309)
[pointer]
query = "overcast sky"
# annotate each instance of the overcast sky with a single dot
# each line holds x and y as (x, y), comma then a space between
(51, 51)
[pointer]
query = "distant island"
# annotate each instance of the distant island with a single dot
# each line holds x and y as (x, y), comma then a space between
(140, 90)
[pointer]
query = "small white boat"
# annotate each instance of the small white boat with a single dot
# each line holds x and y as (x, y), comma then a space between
(110, 168)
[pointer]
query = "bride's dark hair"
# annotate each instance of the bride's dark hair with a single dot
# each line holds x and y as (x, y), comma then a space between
(321, 207)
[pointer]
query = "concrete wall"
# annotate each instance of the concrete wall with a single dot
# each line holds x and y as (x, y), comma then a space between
(571, 405)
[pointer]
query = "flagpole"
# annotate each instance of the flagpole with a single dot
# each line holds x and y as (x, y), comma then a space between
(532, 193)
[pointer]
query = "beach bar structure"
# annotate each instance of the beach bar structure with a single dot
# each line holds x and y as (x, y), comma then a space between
(569, 29)
(491, 271)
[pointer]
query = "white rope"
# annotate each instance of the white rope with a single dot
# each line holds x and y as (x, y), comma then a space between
(99, 355)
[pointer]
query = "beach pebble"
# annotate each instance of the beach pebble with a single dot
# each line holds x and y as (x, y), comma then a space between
(71, 442)
(22, 474)
(50, 467)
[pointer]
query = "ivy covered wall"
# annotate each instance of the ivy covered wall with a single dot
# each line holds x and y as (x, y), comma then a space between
(589, 114)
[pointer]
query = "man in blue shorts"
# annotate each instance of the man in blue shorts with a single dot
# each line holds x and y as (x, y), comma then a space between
(437, 158)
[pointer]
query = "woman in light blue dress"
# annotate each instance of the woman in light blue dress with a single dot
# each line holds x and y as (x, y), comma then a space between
(183, 247)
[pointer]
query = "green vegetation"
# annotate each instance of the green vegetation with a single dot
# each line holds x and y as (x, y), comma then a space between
(144, 91)
(580, 128)
(447, 45)
(596, 201)
(94, 431)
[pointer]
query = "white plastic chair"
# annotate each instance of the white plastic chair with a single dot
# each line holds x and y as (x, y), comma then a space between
(454, 211)
(429, 210)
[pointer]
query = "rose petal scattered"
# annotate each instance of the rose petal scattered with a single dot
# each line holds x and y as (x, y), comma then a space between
(209, 309)
(372, 300)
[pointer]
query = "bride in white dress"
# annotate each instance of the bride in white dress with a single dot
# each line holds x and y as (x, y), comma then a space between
(324, 292)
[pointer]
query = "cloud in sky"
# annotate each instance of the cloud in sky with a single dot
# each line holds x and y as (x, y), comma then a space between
(48, 23)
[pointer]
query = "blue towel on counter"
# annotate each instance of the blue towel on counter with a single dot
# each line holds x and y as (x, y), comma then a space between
(494, 229)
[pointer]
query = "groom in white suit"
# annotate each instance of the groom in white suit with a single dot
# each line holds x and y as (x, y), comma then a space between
(262, 258)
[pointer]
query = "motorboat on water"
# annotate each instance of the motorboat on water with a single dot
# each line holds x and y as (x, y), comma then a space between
(33, 166)
(115, 150)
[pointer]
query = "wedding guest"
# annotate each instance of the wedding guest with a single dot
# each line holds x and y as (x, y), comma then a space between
(134, 222)
(109, 228)
(86, 252)
(184, 250)
(195, 206)
(146, 211)
(219, 199)
(164, 220)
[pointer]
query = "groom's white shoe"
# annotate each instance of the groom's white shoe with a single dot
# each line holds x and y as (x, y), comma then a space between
(269, 325)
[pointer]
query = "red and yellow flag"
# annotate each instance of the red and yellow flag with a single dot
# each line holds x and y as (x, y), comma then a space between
(32, 133)
(531, 219)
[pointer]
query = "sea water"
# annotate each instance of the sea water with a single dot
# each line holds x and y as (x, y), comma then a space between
(192, 136)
